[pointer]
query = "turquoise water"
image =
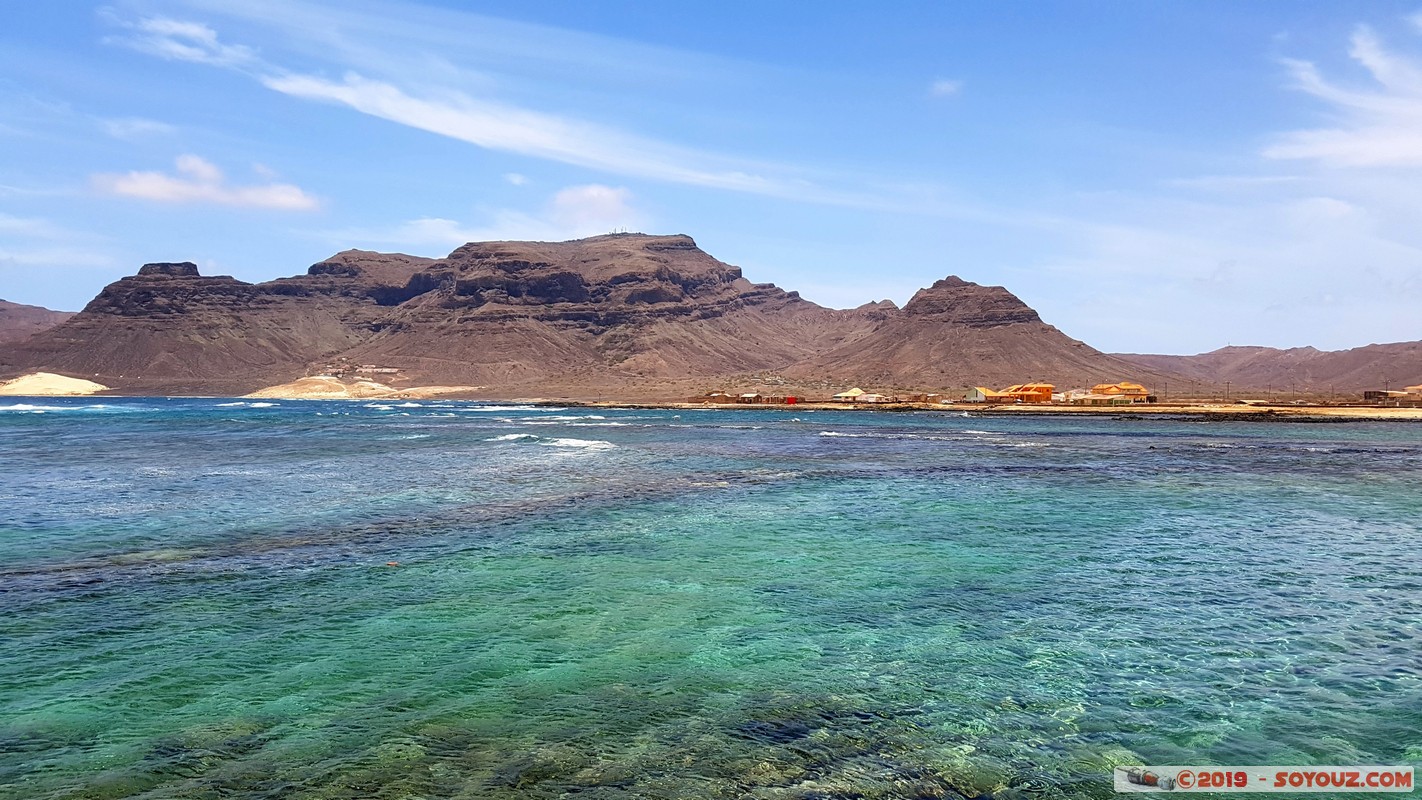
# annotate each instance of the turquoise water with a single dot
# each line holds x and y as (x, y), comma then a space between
(615, 604)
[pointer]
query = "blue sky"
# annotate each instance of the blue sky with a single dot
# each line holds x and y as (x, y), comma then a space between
(1152, 177)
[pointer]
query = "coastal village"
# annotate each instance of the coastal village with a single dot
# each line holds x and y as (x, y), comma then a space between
(1102, 394)
(1123, 393)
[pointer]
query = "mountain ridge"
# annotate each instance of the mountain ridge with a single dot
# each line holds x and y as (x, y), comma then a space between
(616, 316)
(19, 321)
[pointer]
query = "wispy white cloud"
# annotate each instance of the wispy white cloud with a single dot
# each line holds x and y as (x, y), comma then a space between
(201, 181)
(33, 227)
(38, 242)
(944, 87)
(1379, 126)
(1232, 183)
(571, 213)
(444, 99)
(135, 127)
(52, 256)
(515, 178)
(181, 40)
(512, 129)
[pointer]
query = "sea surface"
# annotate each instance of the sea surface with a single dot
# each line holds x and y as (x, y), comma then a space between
(305, 599)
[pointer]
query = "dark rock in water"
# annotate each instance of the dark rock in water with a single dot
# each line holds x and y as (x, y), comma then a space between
(181, 269)
(775, 731)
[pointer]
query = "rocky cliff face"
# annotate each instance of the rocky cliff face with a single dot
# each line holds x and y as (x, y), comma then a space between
(610, 315)
(19, 321)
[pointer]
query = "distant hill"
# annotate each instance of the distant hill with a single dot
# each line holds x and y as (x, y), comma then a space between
(1299, 369)
(19, 321)
(625, 315)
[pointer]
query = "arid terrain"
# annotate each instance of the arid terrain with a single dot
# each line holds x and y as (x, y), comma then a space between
(623, 316)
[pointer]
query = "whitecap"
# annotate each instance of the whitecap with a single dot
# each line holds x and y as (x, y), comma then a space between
(587, 444)
(508, 408)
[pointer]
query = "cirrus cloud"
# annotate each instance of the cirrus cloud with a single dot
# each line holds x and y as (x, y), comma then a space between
(1380, 125)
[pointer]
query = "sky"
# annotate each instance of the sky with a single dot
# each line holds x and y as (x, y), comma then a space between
(1165, 177)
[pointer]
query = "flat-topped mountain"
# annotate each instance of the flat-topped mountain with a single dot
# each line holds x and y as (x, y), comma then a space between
(19, 321)
(622, 315)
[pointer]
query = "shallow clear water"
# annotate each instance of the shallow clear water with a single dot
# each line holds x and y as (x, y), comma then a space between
(720, 603)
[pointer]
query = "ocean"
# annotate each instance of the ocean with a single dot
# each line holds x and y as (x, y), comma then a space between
(446, 599)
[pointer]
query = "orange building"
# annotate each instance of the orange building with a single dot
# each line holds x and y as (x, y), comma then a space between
(1031, 392)
(1134, 392)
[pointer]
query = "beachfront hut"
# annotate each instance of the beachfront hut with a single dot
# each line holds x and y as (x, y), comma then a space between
(749, 397)
(871, 398)
(982, 394)
(1031, 392)
(848, 396)
(1414, 392)
(1100, 400)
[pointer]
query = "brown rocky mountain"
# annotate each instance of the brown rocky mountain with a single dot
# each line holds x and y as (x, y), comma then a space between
(19, 321)
(1299, 369)
(957, 333)
(624, 315)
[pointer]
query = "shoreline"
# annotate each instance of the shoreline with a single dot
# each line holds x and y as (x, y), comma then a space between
(1252, 412)
(1222, 412)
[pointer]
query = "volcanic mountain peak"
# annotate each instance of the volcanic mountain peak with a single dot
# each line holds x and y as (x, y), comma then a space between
(181, 269)
(954, 300)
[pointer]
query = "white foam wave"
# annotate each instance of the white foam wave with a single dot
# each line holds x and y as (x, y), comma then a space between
(32, 409)
(511, 437)
(588, 444)
(506, 409)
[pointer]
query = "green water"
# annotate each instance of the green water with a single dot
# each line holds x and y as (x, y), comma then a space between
(696, 604)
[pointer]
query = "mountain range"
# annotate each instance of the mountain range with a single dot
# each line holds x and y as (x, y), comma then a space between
(621, 316)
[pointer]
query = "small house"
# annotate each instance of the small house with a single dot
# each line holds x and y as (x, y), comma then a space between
(982, 394)
(848, 396)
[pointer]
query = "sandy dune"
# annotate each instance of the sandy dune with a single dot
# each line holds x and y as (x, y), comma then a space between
(326, 387)
(48, 384)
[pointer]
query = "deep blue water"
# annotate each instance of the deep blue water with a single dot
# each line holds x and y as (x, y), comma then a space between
(197, 600)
